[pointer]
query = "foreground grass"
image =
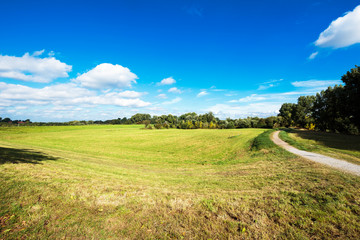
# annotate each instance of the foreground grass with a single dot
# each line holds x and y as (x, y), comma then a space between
(335, 145)
(123, 182)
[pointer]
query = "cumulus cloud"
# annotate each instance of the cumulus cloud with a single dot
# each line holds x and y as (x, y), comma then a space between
(174, 90)
(107, 75)
(202, 93)
(162, 96)
(342, 32)
(167, 81)
(175, 100)
(315, 83)
(66, 94)
(33, 68)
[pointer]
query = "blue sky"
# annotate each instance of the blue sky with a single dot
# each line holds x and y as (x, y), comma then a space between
(67, 60)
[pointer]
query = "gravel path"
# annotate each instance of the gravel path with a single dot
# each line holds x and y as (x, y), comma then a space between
(332, 162)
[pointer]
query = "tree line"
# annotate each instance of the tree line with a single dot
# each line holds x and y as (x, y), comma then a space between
(185, 121)
(336, 109)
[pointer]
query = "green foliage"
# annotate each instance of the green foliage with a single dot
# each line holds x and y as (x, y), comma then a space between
(335, 109)
(352, 96)
(139, 118)
(287, 112)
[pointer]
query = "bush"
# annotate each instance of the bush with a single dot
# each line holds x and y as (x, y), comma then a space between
(158, 125)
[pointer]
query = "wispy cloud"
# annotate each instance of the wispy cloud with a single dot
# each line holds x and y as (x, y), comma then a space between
(313, 55)
(315, 83)
(251, 98)
(175, 100)
(269, 84)
(202, 93)
(253, 109)
(161, 96)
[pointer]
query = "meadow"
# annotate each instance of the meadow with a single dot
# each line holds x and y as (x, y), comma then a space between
(124, 182)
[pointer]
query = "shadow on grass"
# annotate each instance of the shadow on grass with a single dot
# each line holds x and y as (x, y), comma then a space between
(332, 140)
(14, 155)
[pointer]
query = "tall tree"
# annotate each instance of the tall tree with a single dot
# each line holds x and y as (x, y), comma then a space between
(352, 92)
(287, 112)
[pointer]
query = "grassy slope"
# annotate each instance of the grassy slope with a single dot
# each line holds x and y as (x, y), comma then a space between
(341, 146)
(116, 182)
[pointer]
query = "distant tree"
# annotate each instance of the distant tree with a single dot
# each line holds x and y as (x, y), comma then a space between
(230, 125)
(139, 118)
(207, 117)
(6, 120)
(270, 122)
(261, 123)
(243, 123)
(147, 123)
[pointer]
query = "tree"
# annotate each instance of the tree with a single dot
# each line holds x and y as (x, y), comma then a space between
(147, 123)
(329, 111)
(139, 118)
(352, 95)
(303, 111)
(287, 112)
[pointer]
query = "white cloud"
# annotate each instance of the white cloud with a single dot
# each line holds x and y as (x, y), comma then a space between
(251, 98)
(32, 68)
(269, 84)
(315, 83)
(175, 100)
(202, 93)
(278, 97)
(49, 93)
(38, 53)
(254, 109)
(342, 32)
(65, 94)
(107, 75)
(162, 96)
(264, 87)
(167, 81)
(313, 55)
(130, 94)
(174, 90)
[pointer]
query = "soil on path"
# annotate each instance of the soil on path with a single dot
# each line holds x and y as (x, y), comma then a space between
(332, 162)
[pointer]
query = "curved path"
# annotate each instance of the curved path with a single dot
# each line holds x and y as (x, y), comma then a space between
(332, 162)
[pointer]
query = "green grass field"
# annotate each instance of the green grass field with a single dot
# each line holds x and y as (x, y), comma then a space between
(336, 145)
(123, 182)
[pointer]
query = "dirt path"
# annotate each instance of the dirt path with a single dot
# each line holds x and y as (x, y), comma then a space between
(332, 162)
